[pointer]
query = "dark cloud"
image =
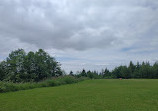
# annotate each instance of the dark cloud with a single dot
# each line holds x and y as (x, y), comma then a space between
(80, 25)
(57, 24)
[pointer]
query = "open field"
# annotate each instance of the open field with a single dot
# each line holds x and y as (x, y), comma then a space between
(89, 95)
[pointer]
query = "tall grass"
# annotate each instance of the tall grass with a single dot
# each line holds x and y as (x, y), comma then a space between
(9, 86)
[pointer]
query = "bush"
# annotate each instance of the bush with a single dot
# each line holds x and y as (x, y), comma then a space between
(9, 86)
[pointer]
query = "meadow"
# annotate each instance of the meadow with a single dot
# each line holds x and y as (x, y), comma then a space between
(88, 95)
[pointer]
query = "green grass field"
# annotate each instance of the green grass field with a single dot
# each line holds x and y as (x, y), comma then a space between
(89, 95)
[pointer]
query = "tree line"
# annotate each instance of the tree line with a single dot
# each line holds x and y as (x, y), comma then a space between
(140, 70)
(20, 66)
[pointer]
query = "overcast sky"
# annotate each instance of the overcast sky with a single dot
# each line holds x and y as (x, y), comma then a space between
(90, 34)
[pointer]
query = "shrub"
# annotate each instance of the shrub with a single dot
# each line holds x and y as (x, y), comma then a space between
(9, 86)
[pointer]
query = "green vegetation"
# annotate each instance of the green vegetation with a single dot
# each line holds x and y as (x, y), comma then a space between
(89, 95)
(143, 70)
(9, 86)
(29, 67)
(22, 67)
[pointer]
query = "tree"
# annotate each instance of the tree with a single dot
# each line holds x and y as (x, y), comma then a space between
(71, 73)
(2, 75)
(83, 73)
(46, 66)
(155, 70)
(30, 66)
(125, 73)
(116, 72)
(15, 65)
(145, 70)
(136, 73)
(106, 73)
(22, 67)
(89, 74)
(131, 69)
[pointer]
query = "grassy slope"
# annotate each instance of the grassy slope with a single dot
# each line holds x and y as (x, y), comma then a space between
(90, 95)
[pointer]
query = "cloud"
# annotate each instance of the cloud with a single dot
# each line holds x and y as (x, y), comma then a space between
(64, 24)
(112, 28)
(7, 45)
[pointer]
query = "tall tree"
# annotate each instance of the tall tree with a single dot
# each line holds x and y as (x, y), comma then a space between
(15, 65)
(22, 67)
(106, 73)
(131, 68)
(71, 73)
(83, 73)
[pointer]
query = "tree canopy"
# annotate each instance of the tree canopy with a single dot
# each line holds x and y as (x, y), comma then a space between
(20, 66)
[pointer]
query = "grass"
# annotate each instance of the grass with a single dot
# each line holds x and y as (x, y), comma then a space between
(89, 95)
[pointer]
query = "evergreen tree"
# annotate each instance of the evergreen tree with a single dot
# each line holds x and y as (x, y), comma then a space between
(89, 74)
(155, 70)
(71, 73)
(136, 73)
(131, 69)
(83, 73)
(106, 73)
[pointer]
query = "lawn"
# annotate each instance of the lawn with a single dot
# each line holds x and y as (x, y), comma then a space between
(89, 95)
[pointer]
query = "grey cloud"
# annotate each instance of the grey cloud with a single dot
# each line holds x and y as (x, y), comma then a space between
(79, 24)
(7, 45)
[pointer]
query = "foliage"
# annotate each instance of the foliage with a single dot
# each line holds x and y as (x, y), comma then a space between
(22, 67)
(10, 86)
(89, 74)
(143, 70)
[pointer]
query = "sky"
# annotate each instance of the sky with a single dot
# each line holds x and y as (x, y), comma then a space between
(89, 34)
